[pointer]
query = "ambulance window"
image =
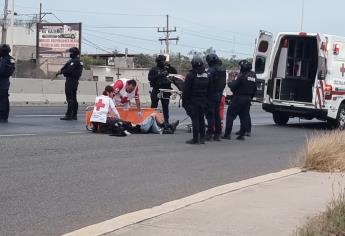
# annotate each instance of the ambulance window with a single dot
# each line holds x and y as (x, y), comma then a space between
(263, 46)
(260, 63)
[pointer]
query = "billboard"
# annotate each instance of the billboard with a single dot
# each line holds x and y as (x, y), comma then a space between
(53, 39)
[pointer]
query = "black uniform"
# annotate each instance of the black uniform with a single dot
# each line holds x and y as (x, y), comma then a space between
(196, 93)
(244, 89)
(72, 70)
(7, 67)
(158, 80)
(217, 75)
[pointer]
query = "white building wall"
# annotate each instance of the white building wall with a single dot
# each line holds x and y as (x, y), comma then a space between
(109, 74)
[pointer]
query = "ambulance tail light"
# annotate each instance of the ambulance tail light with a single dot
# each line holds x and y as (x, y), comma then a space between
(328, 92)
(336, 49)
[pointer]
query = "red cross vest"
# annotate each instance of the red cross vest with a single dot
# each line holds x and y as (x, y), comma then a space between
(101, 109)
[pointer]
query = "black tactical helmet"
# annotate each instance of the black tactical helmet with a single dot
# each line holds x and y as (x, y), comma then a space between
(160, 58)
(212, 59)
(4, 49)
(245, 65)
(74, 51)
(197, 62)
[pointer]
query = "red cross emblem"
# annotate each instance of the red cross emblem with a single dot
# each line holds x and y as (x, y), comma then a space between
(99, 104)
(342, 70)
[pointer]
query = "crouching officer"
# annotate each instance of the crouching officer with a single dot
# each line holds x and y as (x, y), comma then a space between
(158, 78)
(72, 70)
(196, 93)
(243, 89)
(217, 75)
(7, 67)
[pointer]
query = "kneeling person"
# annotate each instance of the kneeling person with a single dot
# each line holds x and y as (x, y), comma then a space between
(105, 112)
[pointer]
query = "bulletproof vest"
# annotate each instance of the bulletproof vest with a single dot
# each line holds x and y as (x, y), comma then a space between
(73, 69)
(248, 83)
(7, 64)
(200, 85)
(163, 81)
(217, 76)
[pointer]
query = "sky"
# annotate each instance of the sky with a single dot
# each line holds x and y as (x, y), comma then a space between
(230, 27)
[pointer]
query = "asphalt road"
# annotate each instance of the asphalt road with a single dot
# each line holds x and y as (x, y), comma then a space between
(56, 177)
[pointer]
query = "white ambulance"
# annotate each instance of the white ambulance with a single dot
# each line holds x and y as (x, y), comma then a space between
(301, 75)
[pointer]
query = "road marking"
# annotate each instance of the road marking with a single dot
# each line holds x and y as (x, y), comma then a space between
(16, 135)
(18, 116)
(139, 216)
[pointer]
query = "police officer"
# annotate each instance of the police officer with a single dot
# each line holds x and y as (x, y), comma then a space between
(72, 70)
(7, 67)
(158, 78)
(243, 89)
(196, 92)
(217, 75)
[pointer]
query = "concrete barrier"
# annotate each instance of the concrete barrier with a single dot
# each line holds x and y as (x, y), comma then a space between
(45, 91)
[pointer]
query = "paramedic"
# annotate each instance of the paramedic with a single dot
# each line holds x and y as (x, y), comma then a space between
(158, 78)
(72, 70)
(7, 67)
(125, 90)
(217, 75)
(196, 93)
(243, 89)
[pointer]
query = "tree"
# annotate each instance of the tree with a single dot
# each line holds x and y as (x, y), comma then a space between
(144, 61)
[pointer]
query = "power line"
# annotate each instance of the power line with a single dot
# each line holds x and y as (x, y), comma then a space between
(111, 40)
(95, 13)
(122, 35)
(120, 27)
(88, 42)
(201, 35)
(212, 27)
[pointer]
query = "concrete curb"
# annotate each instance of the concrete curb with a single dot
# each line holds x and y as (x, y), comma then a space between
(139, 216)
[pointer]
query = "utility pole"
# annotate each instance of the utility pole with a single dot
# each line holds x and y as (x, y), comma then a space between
(4, 23)
(11, 28)
(42, 14)
(167, 32)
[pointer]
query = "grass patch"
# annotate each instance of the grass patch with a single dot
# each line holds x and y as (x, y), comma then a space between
(324, 152)
(329, 223)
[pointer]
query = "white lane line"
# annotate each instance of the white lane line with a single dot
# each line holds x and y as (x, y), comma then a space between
(141, 215)
(16, 135)
(38, 115)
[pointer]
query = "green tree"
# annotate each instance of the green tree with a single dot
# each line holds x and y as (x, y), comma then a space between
(144, 61)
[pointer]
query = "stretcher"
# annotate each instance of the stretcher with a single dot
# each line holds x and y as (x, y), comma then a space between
(126, 114)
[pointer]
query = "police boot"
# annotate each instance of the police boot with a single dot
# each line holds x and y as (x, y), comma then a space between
(66, 118)
(3, 120)
(226, 136)
(202, 140)
(216, 137)
(192, 141)
(208, 137)
(241, 137)
(174, 125)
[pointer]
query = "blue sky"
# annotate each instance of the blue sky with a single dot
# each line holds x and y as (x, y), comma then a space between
(230, 27)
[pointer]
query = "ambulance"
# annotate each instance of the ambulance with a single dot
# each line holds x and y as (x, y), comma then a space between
(301, 75)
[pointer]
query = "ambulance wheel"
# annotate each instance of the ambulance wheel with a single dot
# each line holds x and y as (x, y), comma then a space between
(280, 118)
(340, 121)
